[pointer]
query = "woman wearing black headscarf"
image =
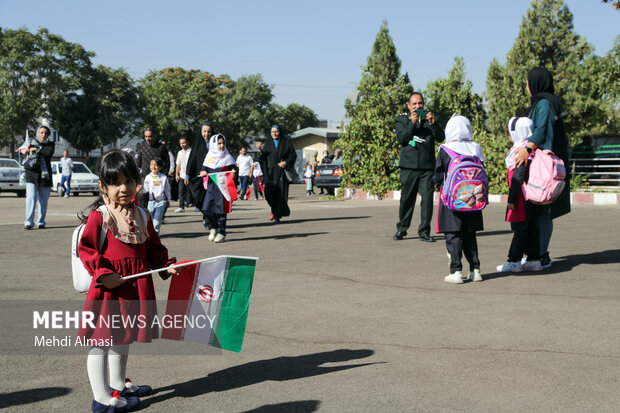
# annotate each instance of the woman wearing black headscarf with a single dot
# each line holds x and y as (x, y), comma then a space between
(193, 180)
(546, 111)
(274, 156)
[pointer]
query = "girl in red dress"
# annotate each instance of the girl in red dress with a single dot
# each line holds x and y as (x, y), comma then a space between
(131, 246)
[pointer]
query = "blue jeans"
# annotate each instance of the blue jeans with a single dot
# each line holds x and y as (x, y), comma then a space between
(67, 179)
(36, 194)
(243, 185)
(157, 209)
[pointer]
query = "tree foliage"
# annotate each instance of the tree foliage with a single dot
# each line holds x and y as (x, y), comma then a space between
(293, 117)
(104, 108)
(36, 70)
(370, 148)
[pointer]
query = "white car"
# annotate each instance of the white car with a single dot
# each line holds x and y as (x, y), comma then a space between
(82, 179)
(10, 173)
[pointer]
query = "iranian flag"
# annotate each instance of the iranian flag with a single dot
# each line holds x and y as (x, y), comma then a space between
(225, 183)
(24, 145)
(215, 296)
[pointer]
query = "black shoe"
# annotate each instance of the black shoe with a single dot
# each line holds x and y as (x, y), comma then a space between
(28, 227)
(41, 227)
(400, 235)
(427, 238)
(276, 220)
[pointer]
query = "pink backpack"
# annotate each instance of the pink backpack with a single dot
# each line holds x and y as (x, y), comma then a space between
(465, 185)
(546, 181)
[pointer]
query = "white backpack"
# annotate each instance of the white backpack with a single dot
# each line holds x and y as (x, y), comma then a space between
(81, 277)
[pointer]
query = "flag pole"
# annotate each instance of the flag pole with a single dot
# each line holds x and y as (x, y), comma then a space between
(183, 264)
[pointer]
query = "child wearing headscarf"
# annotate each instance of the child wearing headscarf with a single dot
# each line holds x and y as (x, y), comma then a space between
(522, 215)
(459, 227)
(215, 205)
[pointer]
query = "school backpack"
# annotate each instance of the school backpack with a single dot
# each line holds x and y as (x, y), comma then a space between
(81, 277)
(546, 178)
(465, 187)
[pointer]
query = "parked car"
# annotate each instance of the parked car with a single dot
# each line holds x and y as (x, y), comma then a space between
(328, 176)
(10, 173)
(82, 179)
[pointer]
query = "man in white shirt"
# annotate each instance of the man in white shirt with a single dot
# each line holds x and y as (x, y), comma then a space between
(66, 164)
(244, 163)
(181, 174)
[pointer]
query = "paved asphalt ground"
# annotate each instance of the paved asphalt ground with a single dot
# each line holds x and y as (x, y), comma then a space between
(343, 319)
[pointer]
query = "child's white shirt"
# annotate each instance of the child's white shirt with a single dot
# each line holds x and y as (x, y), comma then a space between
(158, 187)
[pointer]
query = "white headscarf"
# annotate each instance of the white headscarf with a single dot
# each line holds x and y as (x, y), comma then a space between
(520, 130)
(459, 137)
(215, 158)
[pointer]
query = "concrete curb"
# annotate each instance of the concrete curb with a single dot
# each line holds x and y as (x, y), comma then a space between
(577, 198)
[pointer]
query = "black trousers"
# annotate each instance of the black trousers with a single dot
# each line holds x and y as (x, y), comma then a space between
(217, 222)
(459, 243)
(525, 240)
(414, 181)
(184, 194)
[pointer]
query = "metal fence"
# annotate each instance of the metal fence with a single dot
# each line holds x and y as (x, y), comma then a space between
(599, 165)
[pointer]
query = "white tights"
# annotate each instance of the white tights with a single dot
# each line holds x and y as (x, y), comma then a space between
(99, 360)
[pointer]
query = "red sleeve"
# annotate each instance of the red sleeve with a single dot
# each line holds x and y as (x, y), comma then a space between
(93, 261)
(156, 253)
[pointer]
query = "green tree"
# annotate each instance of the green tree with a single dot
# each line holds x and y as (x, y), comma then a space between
(614, 3)
(243, 110)
(546, 38)
(36, 70)
(177, 101)
(293, 117)
(370, 148)
(104, 108)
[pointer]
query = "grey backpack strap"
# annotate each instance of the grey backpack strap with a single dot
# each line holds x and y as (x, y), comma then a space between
(104, 226)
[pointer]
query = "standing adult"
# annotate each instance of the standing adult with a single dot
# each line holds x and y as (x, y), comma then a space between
(193, 180)
(244, 163)
(276, 155)
(181, 173)
(66, 165)
(417, 130)
(546, 111)
(148, 150)
(38, 176)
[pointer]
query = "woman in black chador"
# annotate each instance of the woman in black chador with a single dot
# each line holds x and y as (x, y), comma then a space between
(276, 155)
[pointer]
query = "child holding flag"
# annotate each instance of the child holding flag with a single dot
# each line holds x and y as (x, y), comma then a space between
(131, 246)
(217, 173)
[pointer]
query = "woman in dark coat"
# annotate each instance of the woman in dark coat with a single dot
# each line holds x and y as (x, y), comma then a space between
(193, 180)
(546, 112)
(38, 177)
(274, 156)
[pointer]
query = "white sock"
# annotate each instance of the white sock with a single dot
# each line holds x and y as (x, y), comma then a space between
(117, 362)
(97, 374)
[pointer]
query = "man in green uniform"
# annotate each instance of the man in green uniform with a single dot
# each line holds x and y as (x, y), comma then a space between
(417, 131)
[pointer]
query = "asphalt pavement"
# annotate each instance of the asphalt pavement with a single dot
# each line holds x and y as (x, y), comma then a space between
(344, 319)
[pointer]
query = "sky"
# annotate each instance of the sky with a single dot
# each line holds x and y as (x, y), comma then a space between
(310, 52)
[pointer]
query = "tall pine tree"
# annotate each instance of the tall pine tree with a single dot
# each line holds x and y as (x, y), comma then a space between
(369, 145)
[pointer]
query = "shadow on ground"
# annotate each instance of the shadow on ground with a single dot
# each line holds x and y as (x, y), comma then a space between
(276, 369)
(19, 398)
(303, 406)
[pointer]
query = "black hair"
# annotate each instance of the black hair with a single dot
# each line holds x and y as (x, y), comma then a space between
(415, 93)
(110, 167)
(158, 161)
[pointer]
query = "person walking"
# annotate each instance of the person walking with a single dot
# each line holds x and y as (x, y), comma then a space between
(38, 177)
(180, 174)
(193, 180)
(66, 166)
(547, 112)
(276, 156)
(244, 163)
(149, 149)
(417, 130)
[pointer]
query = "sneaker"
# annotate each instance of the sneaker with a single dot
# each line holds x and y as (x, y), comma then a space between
(131, 390)
(66, 196)
(196, 210)
(510, 267)
(532, 266)
(212, 234)
(474, 276)
(545, 261)
(179, 210)
(219, 238)
(454, 278)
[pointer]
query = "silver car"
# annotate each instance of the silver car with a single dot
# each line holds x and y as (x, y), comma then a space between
(82, 179)
(10, 173)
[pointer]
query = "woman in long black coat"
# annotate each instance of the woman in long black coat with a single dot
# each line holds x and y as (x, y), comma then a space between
(193, 180)
(275, 156)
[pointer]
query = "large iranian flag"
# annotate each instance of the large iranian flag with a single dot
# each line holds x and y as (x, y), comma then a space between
(225, 181)
(216, 292)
